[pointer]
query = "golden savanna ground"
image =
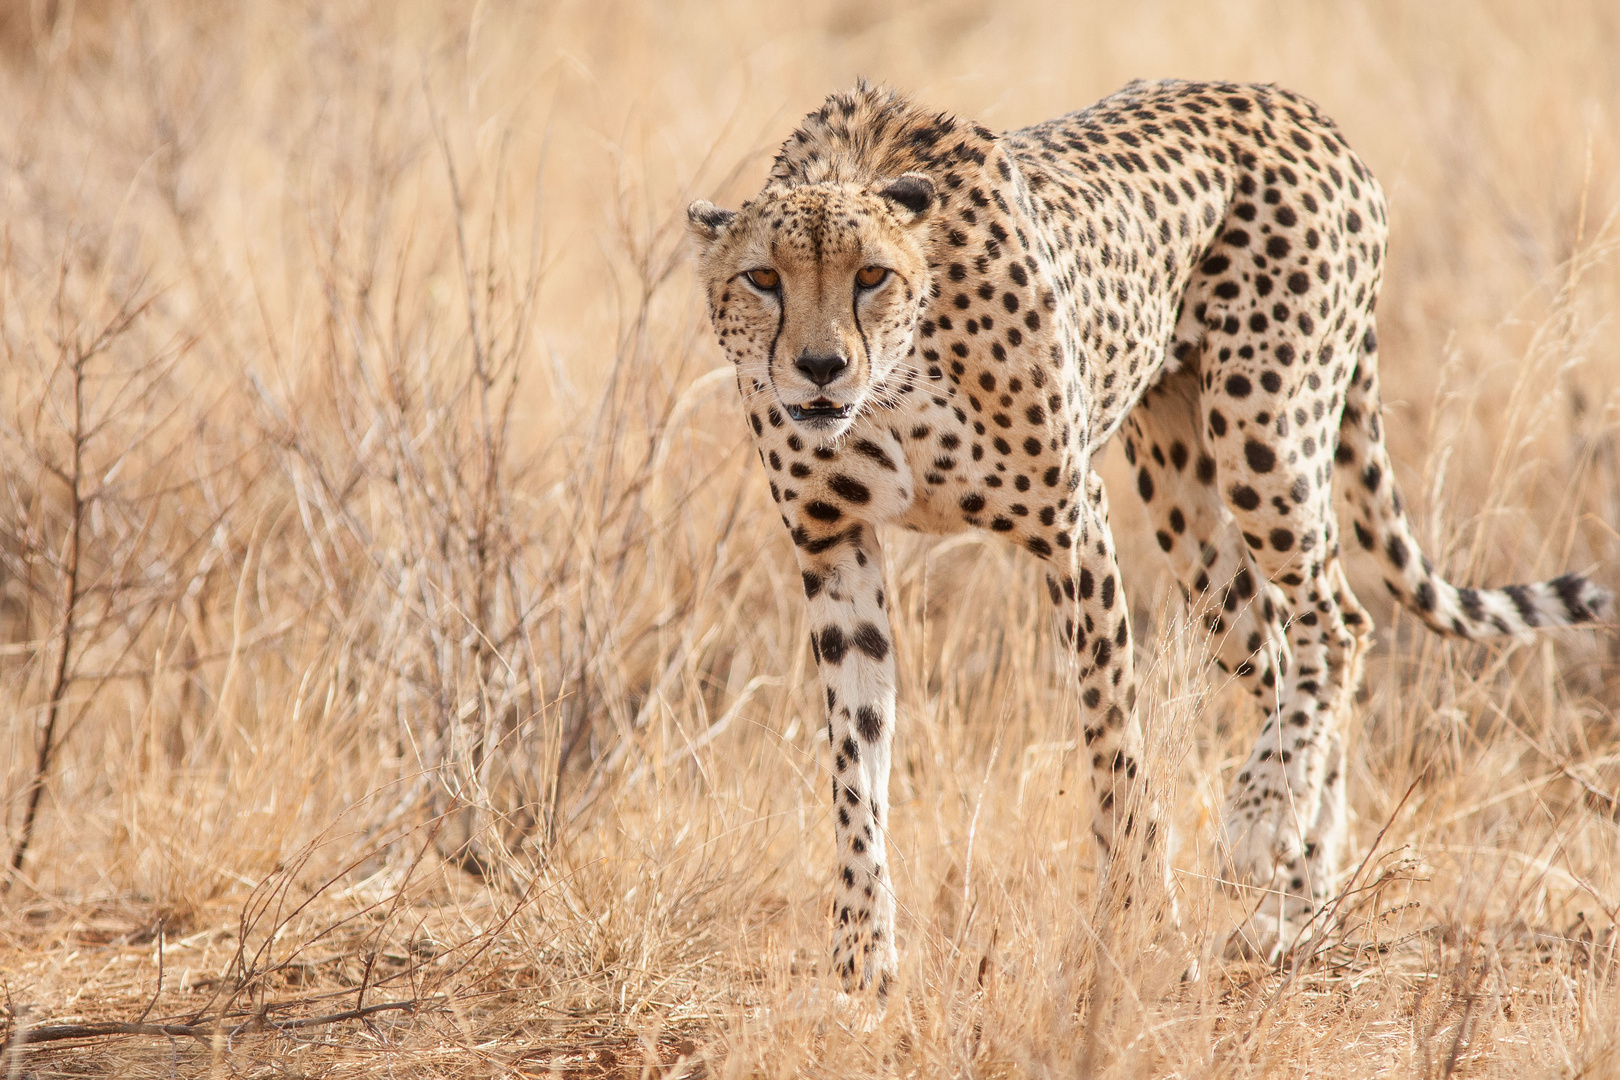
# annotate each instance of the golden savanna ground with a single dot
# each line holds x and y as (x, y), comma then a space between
(425, 669)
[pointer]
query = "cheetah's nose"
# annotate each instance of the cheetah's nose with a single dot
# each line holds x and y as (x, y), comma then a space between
(821, 370)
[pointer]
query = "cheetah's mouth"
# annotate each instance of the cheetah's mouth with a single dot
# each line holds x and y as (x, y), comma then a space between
(819, 409)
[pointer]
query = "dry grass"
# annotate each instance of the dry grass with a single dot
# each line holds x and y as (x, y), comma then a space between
(410, 620)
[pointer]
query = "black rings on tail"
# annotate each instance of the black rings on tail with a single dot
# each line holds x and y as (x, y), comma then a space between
(1382, 527)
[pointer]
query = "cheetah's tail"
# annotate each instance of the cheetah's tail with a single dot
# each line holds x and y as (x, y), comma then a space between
(1382, 527)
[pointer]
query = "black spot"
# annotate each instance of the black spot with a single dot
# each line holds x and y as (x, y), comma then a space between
(1271, 381)
(1245, 497)
(848, 488)
(1217, 422)
(833, 645)
(1282, 539)
(972, 503)
(1238, 386)
(812, 584)
(1299, 282)
(867, 448)
(1261, 458)
(1144, 485)
(870, 640)
(822, 511)
(1396, 549)
(816, 547)
(869, 722)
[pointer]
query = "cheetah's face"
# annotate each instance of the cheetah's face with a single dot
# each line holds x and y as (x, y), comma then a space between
(815, 291)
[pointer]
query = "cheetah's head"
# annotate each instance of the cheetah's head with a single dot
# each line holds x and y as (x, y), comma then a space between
(815, 291)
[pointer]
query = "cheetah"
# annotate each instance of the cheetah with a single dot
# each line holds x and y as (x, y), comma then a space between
(938, 327)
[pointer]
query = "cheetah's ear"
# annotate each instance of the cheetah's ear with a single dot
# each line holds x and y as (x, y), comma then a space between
(910, 195)
(707, 221)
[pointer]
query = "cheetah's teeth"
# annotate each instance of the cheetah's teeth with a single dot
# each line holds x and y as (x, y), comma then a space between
(819, 412)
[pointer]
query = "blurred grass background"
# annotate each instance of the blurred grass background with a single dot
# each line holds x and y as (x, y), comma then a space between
(381, 547)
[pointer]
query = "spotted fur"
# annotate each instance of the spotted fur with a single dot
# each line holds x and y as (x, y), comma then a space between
(1191, 265)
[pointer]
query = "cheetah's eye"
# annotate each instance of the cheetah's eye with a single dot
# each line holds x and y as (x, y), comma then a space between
(870, 277)
(768, 280)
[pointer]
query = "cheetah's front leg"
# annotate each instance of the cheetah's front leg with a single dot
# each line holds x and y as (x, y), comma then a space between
(1094, 621)
(849, 634)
